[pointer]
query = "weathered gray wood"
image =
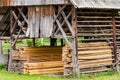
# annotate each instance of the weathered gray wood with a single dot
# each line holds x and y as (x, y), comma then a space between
(94, 71)
(37, 22)
(102, 65)
(61, 9)
(63, 22)
(46, 21)
(20, 11)
(40, 21)
(4, 38)
(75, 62)
(68, 23)
(32, 2)
(31, 19)
(11, 40)
(1, 51)
(62, 31)
(19, 23)
(16, 38)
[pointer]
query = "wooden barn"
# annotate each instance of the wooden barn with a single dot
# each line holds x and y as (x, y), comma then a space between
(91, 29)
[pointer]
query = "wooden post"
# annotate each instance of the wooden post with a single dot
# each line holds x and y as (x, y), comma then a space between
(115, 66)
(1, 47)
(53, 42)
(75, 62)
(33, 41)
(62, 43)
(11, 40)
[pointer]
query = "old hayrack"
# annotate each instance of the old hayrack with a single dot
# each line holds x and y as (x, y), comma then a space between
(90, 27)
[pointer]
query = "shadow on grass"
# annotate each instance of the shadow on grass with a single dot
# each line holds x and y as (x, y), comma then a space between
(2, 67)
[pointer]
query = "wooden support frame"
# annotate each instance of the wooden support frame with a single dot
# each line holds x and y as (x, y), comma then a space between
(75, 62)
(11, 40)
(1, 51)
(16, 29)
(72, 28)
(116, 61)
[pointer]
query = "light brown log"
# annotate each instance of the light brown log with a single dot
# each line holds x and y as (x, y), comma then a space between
(43, 65)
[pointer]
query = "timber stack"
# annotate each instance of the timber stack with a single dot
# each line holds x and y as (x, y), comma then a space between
(37, 60)
(93, 57)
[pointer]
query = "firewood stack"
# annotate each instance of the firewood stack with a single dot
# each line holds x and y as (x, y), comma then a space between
(93, 57)
(39, 60)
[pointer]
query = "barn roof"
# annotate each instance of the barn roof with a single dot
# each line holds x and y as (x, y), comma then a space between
(102, 4)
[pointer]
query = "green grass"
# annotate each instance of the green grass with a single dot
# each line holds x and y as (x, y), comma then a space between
(5, 75)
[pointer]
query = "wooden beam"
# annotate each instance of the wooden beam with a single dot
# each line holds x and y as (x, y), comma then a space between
(16, 38)
(19, 23)
(64, 22)
(67, 22)
(33, 41)
(1, 51)
(4, 38)
(24, 17)
(11, 40)
(53, 42)
(115, 66)
(62, 31)
(26, 20)
(62, 8)
(62, 43)
(75, 61)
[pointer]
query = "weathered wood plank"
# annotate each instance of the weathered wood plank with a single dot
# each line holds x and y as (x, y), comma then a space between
(32, 2)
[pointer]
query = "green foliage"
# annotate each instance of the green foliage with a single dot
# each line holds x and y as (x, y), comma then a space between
(37, 42)
(29, 42)
(2, 67)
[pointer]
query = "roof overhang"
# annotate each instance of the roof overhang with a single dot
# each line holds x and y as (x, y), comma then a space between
(32, 2)
(99, 4)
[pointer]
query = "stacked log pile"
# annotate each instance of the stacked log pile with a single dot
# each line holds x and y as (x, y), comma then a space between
(42, 60)
(93, 56)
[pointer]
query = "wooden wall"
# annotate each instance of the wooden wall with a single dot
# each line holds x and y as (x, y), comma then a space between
(40, 21)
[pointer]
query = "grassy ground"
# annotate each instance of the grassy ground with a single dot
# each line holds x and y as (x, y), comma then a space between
(5, 75)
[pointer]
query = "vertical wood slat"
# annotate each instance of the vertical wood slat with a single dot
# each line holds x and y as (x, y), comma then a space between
(40, 21)
(31, 19)
(46, 21)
